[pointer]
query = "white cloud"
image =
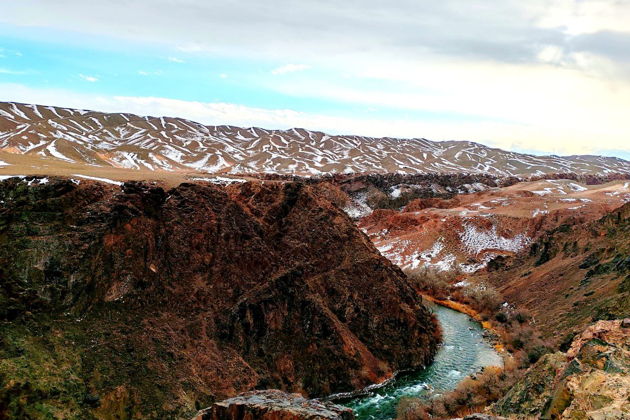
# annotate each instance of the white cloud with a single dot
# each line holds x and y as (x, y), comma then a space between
(551, 54)
(87, 78)
(579, 16)
(559, 103)
(534, 71)
(289, 68)
(175, 60)
(224, 75)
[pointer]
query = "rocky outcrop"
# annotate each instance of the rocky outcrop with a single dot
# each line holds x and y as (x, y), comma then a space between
(274, 405)
(590, 381)
(150, 303)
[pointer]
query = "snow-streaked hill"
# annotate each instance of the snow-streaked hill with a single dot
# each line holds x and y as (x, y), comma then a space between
(119, 140)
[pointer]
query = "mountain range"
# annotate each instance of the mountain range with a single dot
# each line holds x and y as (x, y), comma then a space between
(36, 137)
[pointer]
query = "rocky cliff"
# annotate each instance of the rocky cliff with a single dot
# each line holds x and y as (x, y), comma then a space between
(133, 301)
(590, 381)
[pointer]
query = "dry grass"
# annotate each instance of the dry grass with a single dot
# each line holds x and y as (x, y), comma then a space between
(29, 165)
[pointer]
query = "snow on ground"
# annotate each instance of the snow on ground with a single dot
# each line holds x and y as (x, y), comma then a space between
(536, 212)
(397, 252)
(186, 144)
(221, 180)
(476, 241)
(395, 192)
(384, 249)
(577, 187)
(433, 252)
(546, 191)
(357, 207)
(40, 181)
(54, 152)
(95, 178)
(471, 268)
(445, 264)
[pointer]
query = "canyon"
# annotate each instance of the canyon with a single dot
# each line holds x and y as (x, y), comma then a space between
(151, 267)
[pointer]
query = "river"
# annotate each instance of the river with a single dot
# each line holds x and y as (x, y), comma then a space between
(464, 351)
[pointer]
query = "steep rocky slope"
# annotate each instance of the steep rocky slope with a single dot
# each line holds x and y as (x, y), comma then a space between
(133, 301)
(576, 274)
(66, 140)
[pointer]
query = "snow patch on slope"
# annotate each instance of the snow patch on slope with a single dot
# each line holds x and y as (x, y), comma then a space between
(357, 207)
(476, 241)
(95, 178)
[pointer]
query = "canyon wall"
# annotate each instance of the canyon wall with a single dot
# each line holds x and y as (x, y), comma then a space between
(129, 301)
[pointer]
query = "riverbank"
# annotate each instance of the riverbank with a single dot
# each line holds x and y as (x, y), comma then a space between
(513, 339)
(465, 351)
(493, 334)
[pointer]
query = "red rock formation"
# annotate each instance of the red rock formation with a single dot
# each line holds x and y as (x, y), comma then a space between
(167, 300)
(464, 233)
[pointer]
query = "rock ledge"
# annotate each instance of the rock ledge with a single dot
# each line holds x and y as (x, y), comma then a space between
(273, 405)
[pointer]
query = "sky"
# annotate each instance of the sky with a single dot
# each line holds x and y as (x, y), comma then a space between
(536, 76)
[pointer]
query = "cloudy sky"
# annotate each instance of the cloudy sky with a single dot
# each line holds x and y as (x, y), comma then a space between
(538, 76)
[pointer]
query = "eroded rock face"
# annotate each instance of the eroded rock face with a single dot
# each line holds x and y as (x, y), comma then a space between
(274, 405)
(590, 381)
(151, 303)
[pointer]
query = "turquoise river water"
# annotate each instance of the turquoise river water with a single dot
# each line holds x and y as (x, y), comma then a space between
(464, 351)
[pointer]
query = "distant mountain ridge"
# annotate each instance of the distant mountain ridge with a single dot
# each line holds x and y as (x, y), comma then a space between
(65, 136)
